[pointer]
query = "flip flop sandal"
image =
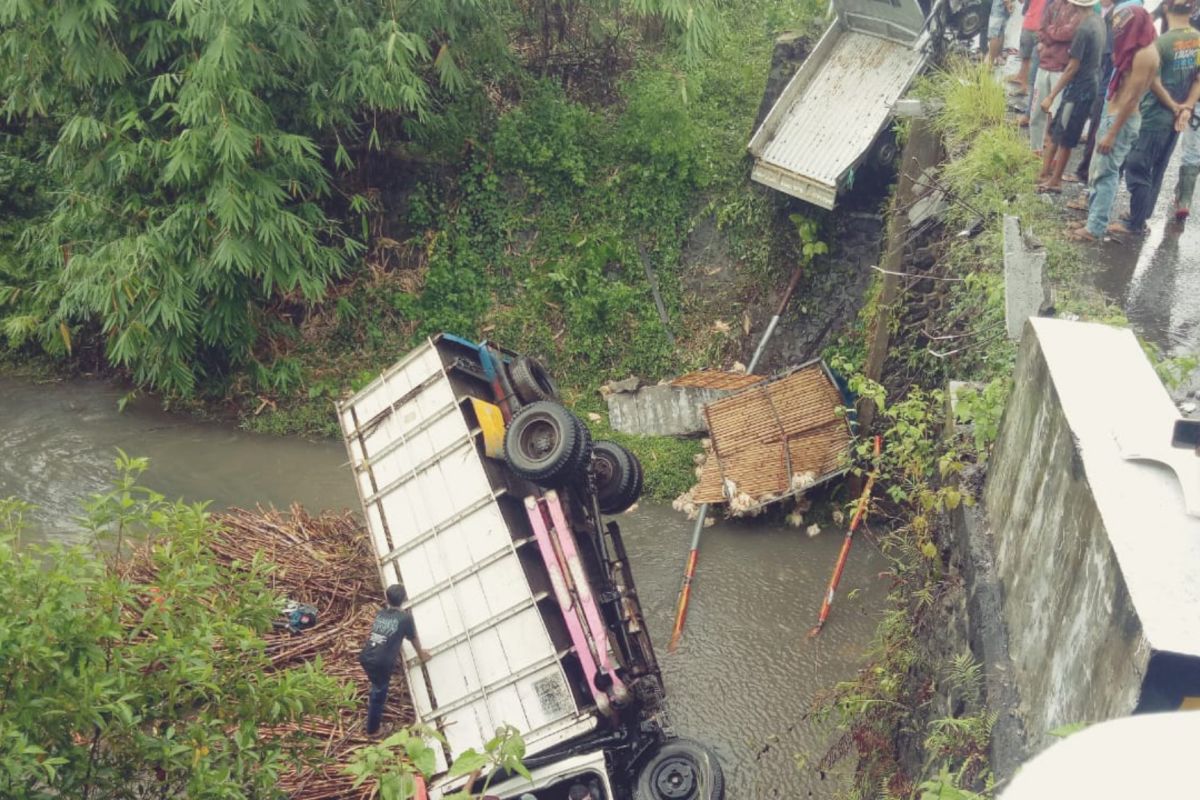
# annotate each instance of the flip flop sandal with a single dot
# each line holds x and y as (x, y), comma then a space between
(1049, 190)
(1078, 204)
(1072, 179)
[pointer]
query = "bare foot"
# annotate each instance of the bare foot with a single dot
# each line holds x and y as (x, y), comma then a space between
(1079, 203)
(1050, 188)
(1080, 235)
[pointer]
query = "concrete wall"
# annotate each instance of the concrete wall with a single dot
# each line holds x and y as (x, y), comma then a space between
(1093, 552)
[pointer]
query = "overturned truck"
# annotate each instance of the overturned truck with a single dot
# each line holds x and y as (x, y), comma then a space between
(487, 499)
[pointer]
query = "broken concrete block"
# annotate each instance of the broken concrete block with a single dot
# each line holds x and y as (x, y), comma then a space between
(661, 410)
(1024, 292)
(630, 384)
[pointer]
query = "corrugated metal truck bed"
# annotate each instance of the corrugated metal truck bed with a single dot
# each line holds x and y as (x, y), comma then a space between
(831, 112)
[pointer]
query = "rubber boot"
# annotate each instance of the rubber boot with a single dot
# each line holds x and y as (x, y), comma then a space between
(1184, 190)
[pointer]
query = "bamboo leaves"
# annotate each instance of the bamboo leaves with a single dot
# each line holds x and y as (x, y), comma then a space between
(189, 150)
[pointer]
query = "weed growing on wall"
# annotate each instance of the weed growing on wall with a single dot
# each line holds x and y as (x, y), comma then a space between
(960, 334)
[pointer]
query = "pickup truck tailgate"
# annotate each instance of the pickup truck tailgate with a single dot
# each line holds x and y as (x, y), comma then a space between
(441, 523)
(831, 112)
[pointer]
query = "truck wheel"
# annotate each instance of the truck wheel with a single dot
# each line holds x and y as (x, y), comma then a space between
(969, 21)
(618, 477)
(546, 444)
(530, 380)
(681, 770)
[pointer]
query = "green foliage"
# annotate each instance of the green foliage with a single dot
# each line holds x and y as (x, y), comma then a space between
(965, 676)
(997, 166)
(548, 140)
(982, 410)
(111, 682)
(664, 149)
(393, 765)
(970, 98)
(1173, 371)
(190, 150)
(945, 787)
(694, 21)
(808, 230)
(1063, 731)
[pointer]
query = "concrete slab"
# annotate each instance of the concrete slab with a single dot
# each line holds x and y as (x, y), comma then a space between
(1096, 554)
(1024, 292)
(661, 410)
(1105, 384)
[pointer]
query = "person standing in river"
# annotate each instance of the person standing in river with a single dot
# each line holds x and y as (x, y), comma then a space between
(1173, 95)
(378, 658)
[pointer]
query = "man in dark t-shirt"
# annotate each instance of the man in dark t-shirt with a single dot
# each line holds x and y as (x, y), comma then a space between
(378, 658)
(1078, 85)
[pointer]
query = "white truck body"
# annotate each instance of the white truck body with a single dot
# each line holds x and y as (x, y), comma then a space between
(521, 593)
(840, 98)
(437, 523)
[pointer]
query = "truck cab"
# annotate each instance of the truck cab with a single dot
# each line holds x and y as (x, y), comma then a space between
(487, 500)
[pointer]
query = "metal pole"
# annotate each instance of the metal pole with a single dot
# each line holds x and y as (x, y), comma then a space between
(859, 513)
(689, 572)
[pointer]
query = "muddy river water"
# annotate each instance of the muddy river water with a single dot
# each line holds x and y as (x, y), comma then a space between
(743, 680)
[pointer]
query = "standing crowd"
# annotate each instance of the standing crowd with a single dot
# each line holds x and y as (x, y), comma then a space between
(1102, 66)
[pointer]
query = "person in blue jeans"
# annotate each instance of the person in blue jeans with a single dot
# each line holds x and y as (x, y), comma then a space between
(1135, 63)
(1001, 11)
(391, 627)
(1172, 97)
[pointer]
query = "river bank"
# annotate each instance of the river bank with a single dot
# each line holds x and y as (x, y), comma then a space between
(757, 592)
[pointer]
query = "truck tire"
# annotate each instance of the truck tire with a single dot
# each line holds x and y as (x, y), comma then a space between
(530, 380)
(681, 770)
(618, 477)
(546, 444)
(968, 21)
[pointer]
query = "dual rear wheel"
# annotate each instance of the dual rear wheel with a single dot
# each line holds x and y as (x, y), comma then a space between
(548, 445)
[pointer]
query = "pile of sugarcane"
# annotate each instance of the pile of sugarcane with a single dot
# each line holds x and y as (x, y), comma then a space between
(326, 562)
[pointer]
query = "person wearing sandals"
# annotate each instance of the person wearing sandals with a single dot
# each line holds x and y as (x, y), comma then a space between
(1059, 21)
(1165, 111)
(1078, 85)
(1135, 64)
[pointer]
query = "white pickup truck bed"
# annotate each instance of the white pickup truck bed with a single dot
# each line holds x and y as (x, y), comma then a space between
(839, 100)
